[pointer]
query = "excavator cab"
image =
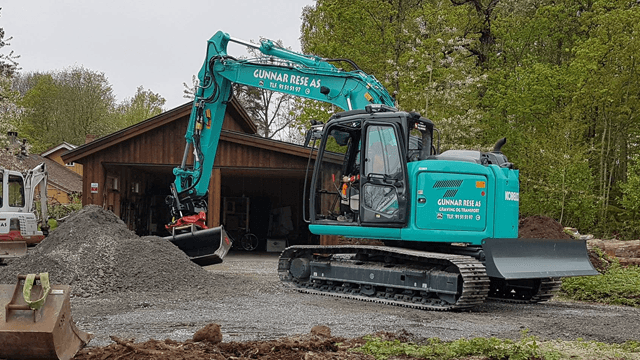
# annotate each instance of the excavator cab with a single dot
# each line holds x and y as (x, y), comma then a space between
(361, 174)
(373, 178)
(18, 221)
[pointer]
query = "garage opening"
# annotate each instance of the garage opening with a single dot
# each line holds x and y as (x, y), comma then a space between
(264, 202)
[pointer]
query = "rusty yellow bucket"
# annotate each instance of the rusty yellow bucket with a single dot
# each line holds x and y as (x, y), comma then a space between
(35, 321)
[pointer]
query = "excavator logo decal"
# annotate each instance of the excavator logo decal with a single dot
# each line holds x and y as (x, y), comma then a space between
(285, 78)
(511, 196)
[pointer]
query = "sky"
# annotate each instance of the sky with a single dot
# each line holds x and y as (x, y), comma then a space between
(157, 44)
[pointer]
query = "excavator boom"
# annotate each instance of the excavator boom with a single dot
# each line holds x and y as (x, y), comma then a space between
(279, 70)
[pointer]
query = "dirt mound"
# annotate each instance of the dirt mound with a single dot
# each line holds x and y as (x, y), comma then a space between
(210, 333)
(541, 227)
(95, 253)
(308, 347)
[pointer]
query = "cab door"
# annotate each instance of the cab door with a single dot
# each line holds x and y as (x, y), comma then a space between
(383, 186)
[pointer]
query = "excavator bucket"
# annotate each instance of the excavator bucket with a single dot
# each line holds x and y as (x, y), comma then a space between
(536, 258)
(203, 247)
(46, 333)
(12, 249)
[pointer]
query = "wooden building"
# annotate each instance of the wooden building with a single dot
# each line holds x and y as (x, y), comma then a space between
(55, 154)
(254, 179)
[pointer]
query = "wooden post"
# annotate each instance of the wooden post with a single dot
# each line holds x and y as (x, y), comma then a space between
(329, 240)
(213, 216)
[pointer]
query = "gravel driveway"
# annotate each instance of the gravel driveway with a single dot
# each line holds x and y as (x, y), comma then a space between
(252, 305)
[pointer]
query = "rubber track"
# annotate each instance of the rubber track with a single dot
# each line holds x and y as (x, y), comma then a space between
(475, 280)
(547, 289)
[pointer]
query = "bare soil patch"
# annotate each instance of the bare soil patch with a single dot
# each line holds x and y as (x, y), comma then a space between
(314, 346)
(541, 227)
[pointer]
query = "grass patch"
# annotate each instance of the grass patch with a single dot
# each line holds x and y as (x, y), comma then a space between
(527, 348)
(617, 285)
(580, 349)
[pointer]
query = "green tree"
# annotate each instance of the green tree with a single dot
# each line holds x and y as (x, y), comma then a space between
(416, 48)
(143, 105)
(9, 109)
(558, 78)
(629, 220)
(374, 34)
(66, 106)
(607, 99)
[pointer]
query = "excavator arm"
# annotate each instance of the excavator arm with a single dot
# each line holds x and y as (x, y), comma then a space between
(280, 70)
(33, 178)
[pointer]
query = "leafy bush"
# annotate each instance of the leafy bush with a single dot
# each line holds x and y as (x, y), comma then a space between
(617, 286)
(527, 348)
(58, 211)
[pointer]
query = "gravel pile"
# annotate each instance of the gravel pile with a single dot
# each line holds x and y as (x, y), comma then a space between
(95, 252)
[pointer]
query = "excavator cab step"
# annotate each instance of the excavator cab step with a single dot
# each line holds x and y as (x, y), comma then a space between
(44, 331)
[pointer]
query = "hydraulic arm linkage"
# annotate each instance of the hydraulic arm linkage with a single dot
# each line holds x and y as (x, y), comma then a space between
(278, 70)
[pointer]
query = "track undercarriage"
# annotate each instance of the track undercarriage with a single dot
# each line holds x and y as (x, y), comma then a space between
(402, 277)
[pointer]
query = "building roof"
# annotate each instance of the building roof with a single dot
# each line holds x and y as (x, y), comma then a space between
(164, 118)
(64, 145)
(249, 137)
(60, 177)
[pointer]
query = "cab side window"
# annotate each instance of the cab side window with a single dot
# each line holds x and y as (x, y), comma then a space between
(1, 190)
(16, 191)
(382, 194)
(383, 154)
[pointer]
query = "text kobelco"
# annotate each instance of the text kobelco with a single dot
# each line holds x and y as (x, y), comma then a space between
(511, 196)
(291, 79)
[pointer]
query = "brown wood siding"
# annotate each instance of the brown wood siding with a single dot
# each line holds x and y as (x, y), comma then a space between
(93, 172)
(231, 154)
(231, 124)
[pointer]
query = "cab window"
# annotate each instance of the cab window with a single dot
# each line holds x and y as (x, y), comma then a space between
(16, 191)
(383, 154)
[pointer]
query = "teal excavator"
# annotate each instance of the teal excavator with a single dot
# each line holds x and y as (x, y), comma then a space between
(449, 220)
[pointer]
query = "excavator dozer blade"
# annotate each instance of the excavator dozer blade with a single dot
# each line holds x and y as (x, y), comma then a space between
(536, 258)
(12, 249)
(203, 247)
(48, 333)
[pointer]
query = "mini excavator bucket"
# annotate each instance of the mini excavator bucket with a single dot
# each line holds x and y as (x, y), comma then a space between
(203, 247)
(536, 258)
(43, 331)
(12, 249)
